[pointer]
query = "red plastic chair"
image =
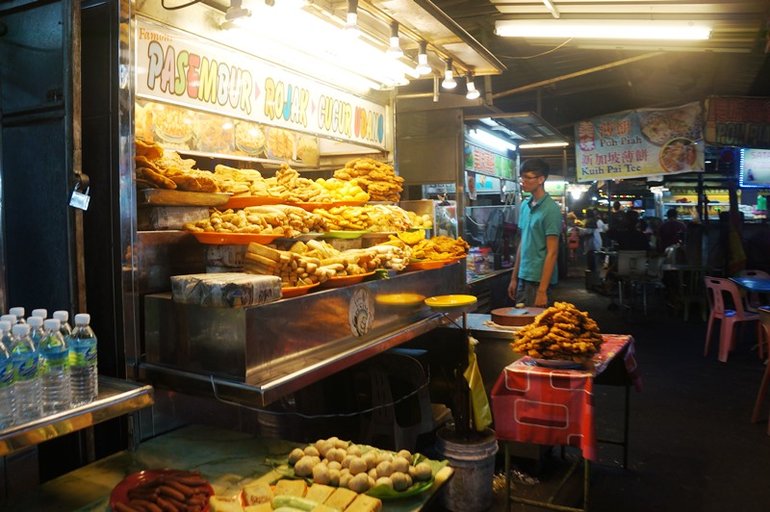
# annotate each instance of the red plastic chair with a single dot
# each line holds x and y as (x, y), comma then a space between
(726, 305)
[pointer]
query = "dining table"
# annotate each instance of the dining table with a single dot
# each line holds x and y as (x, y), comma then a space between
(753, 283)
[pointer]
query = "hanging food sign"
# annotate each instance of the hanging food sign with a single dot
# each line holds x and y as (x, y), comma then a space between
(740, 122)
(639, 143)
(188, 71)
(483, 161)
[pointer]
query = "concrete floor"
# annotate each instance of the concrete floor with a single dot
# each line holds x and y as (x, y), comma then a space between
(692, 444)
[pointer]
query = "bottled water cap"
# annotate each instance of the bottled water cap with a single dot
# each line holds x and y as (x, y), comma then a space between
(5, 326)
(42, 313)
(20, 329)
(18, 312)
(9, 318)
(82, 319)
(62, 315)
(52, 324)
(35, 322)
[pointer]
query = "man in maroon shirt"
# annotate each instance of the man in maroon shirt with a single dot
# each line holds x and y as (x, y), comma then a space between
(671, 231)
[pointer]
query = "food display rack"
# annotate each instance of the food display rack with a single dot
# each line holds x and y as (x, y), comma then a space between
(261, 353)
(116, 398)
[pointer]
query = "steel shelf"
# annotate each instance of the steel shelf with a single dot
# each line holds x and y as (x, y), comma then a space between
(116, 398)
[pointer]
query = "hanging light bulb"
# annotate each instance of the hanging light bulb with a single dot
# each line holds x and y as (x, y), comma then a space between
(235, 15)
(351, 19)
(422, 59)
(472, 93)
(449, 80)
(394, 50)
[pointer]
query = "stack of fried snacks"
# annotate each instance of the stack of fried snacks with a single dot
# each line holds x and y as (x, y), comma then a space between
(378, 179)
(560, 332)
(156, 168)
(282, 220)
(437, 248)
(378, 218)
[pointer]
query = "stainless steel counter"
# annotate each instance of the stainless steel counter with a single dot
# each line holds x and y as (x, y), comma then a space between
(116, 398)
(275, 349)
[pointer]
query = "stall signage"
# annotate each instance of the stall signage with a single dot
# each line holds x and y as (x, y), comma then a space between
(176, 67)
(741, 122)
(640, 143)
(483, 161)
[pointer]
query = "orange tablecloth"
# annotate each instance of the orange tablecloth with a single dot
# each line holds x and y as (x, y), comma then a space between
(535, 404)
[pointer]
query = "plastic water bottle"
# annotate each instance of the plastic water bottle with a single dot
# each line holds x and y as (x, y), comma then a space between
(41, 312)
(83, 373)
(11, 319)
(18, 312)
(25, 363)
(63, 317)
(55, 371)
(7, 378)
(36, 331)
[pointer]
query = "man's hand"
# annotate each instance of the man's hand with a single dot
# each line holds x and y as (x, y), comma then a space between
(541, 299)
(513, 287)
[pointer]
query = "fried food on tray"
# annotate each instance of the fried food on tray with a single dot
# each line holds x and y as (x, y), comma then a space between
(166, 169)
(559, 332)
(437, 248)
(378, 179)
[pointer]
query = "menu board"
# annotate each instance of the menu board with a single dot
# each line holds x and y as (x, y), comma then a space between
(483, 161)
(640, 143)
(183, 69)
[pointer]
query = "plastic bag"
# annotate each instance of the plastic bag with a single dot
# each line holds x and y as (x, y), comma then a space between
(482, 414)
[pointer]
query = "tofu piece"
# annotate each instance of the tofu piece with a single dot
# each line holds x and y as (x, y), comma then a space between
(324, 508)
(290, 487)
(341, 498)
(364, 503)
(261, 507)
(256, 493)
(319, 492)
(225, 504)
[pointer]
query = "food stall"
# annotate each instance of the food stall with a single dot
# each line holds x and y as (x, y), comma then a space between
(190, 109)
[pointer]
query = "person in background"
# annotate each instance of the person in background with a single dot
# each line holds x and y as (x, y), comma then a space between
(627, 236)
(671, 231)
(540, 222)
(592, 238)
(617, 216)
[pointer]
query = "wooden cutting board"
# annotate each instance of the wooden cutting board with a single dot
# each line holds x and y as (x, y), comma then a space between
(515, 316)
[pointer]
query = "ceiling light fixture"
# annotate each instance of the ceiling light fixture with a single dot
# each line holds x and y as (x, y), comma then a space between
(535, 145)
(394, 50)
(351, 19)
(605, 29)
(491, 140)
(551, 8)
(449, 80)
(235, 15)
(472, 93)
(422, 59)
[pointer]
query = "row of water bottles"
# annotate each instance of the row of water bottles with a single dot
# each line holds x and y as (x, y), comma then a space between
(46, 367)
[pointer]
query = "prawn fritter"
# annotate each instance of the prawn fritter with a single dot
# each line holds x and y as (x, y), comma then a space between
(570, 328)
(565, 317)
(539, 331)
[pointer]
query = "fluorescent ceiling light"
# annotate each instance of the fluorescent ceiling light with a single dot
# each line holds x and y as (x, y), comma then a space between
(351, 19)
(604, 29)
(535, 145)
(490, 140)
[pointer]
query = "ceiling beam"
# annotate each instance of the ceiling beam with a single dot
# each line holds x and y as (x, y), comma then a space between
(595, 69)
